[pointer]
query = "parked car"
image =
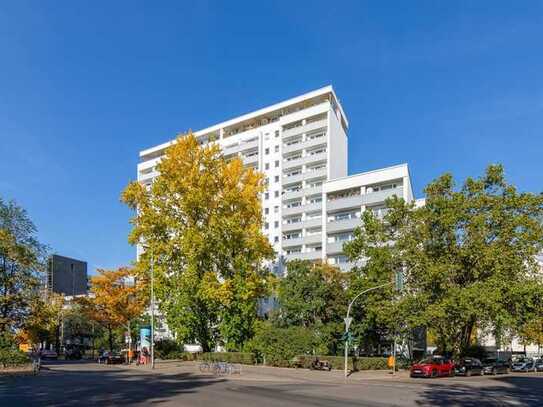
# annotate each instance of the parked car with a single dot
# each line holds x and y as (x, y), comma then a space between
(523, 365)
(468, 366)
(110, 358)
(495, 366)
(48, 354)
(539, 365)
(433, 366)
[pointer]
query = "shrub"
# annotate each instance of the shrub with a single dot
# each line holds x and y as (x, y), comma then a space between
(276, 346)
(338, 362)
(10, 357)
(166, 348)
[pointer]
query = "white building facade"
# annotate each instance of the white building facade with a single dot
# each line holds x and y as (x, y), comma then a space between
(311, 205)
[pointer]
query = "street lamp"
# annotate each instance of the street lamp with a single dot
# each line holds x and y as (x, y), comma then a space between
(398, 282)
(348, 320)
(152, 312)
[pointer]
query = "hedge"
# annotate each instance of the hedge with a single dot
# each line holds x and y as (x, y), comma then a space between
(338, 362)
(10, 357)
(304, 361)
(179, 355)
(245, 358)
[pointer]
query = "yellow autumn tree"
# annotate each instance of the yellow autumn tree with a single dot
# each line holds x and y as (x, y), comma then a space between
(200, 222)
(117, 297)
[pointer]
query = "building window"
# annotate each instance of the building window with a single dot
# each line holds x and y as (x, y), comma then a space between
(276, 224)
(266, 195)
(276, 239)
(266, 210)
(277, 178)
(267, 151)
(277, 148)
(276, 133)
(266, 225)
(267, 166)
(276, 164)
(276, 209)
(276, 194)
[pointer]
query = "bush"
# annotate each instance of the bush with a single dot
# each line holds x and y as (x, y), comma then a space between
(245, 358)
(166, 348)
(338, 362)
(10, 357)
(179, 355)
(276, 346)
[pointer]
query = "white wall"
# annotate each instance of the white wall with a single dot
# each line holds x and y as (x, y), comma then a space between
(337, 147)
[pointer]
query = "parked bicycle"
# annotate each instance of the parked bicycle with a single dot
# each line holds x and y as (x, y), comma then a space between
(220, 368)
(205, 367)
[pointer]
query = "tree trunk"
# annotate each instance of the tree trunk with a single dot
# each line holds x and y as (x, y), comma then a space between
(110, 337)
(465, 340)
(57, 339)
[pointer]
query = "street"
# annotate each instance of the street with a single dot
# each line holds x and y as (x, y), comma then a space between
(180, 384)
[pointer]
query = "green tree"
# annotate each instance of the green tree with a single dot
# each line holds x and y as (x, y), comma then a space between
(466, 255)
(200, 222)
(311, 293)
(313, 296)
(21, 266)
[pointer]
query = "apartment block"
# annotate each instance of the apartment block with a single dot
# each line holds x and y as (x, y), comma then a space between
(311, 205)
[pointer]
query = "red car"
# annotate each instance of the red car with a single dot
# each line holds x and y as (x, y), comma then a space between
(433, 366)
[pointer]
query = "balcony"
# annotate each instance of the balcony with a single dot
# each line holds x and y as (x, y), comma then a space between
(240, 147)
(304, 144)
(312, 239)
(305, 160)
(304, 256)
(305, 129)
(287, 196)
(355, 201)
(342, 225)
(289, 227)
(335, 247)
(302, 208)
(147, 176)
(250, 160)
(292, 242)
(311, 223)
(321, 173)
(380, 196)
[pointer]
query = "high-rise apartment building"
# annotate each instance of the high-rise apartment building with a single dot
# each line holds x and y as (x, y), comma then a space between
(66, 276)
(311, 206)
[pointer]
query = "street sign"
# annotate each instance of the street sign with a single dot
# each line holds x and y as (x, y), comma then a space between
(347, 322)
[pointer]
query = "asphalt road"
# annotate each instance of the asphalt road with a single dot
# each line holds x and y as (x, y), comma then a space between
(82, 384)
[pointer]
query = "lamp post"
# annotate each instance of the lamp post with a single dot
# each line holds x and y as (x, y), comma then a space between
(348, 320)
(152, 312)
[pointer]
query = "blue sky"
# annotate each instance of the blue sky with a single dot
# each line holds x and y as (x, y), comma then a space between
(444, 86)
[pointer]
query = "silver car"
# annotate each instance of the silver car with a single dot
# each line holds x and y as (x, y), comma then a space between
(523, 365)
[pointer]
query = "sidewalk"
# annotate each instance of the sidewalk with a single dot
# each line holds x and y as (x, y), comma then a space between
(274, 374)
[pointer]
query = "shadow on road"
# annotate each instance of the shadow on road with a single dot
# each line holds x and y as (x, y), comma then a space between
(498, 391)
(91, 385)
